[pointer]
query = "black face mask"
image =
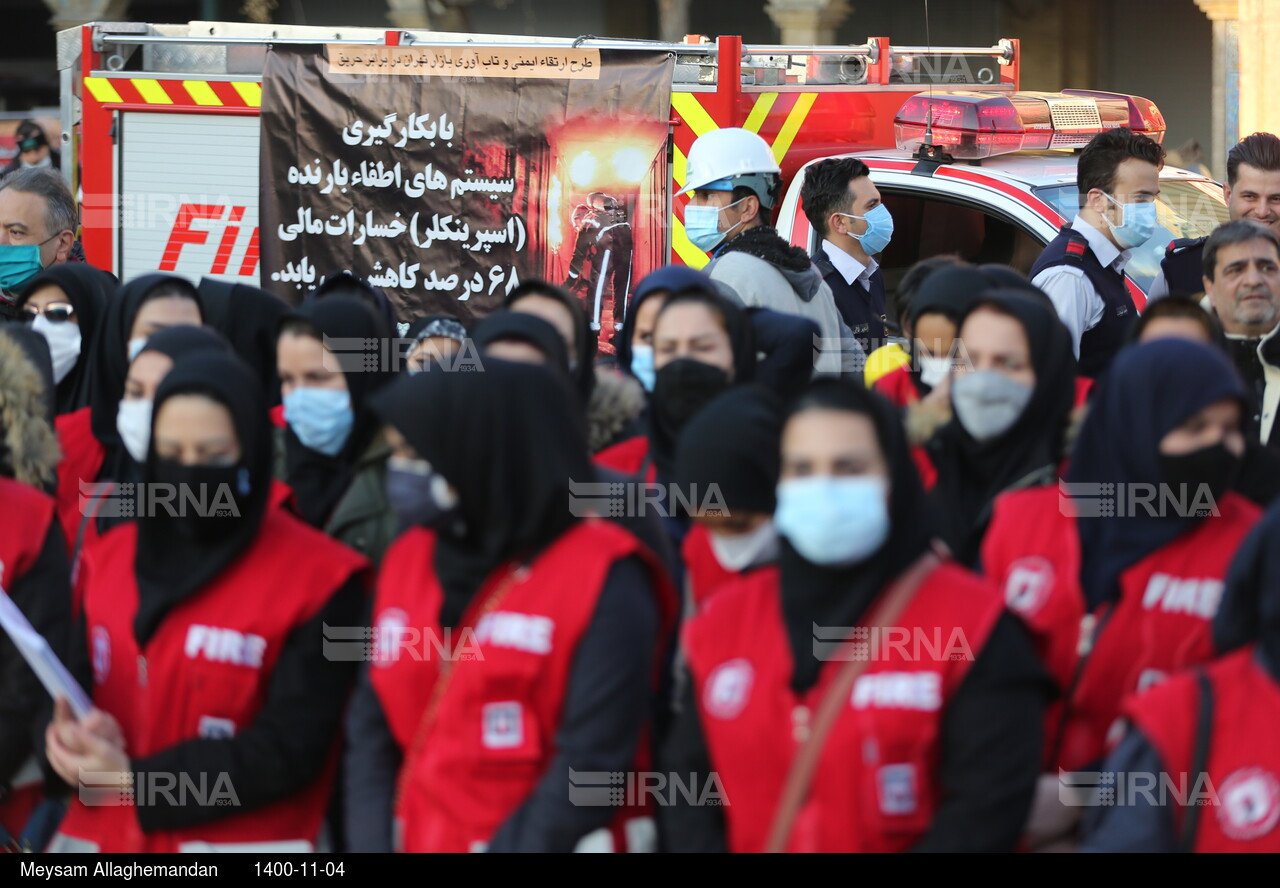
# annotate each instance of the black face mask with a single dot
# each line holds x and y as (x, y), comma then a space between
(1215, 467)
(415, 499)
(683, 387)
(205, 503)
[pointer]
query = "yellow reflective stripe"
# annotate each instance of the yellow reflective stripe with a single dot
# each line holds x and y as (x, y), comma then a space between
(684, 248)
(249, 91)
(791, 127)
(152, 92)
(679, 166)
(102, 89)
(760, 111)
(201, 92)
(692, 113)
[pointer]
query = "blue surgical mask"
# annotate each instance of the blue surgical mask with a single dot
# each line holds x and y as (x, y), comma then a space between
(833, 521)
(642, 366)
(702, 225)
(19, 263)
(418, 494)
(321, 418)
(1138, 223)
(879, 230)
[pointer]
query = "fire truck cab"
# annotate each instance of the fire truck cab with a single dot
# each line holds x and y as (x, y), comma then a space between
(1001, 180)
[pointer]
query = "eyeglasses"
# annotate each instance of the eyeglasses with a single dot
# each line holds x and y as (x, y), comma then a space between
(54, 312)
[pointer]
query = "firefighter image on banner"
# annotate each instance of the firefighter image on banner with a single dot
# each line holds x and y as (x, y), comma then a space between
(447, 176)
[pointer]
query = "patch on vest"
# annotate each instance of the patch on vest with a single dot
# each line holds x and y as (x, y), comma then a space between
(101, 653)
(1196, 597)
(728, 689)
(213, 728)
(522, 632)
(1249, 803)
(897, 787)
(1027, 584)
(898, 690)
(503, 725)
(388, 632)
(219, 645)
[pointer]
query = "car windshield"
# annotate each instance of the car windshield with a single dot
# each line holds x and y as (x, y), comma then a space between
(1185, 208)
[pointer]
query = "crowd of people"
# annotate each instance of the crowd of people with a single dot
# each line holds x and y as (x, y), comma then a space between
(805, 565)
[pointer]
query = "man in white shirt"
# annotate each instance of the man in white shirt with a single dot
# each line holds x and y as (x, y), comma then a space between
(1082, 269)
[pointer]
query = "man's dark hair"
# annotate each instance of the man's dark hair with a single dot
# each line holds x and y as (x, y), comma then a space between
(1228, 234)
(826, 189)
(1103, 155)
(49, 186)
(1175, 305)
(1260, 151)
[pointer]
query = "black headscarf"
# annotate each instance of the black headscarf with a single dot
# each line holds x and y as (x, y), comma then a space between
(178, 342)
(972, 473)
(949, 292)
(36, 348)
(586, 344)
(666, 280)
(88, 290)
(249, 318)
(509, 440)
(665, 423)
(1148, 391)
(833, 597)
(525, 328)
(733, 443)
(111, 352)
(318, 480)
(170, 563)
(345, 285)
(1250, 608)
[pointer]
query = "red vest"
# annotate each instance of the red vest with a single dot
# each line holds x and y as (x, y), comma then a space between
(82, 458)
(1160, 623)
(1243, 764)
(29, 514)
(876, 788)
(479, 735)
(898, 386)
(628, 457)
(206, 672)
(703, 571)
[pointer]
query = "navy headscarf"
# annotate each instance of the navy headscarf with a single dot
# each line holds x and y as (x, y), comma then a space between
(1149, 391)
(668, 280)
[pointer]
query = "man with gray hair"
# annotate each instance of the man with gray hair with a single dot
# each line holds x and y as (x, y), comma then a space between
(37, 229)
(1242, 282)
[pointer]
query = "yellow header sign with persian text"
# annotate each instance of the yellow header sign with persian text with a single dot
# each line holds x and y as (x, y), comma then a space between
(552, 63)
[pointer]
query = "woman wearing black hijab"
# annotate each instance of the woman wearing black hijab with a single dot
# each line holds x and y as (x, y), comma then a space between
(91, 447)
(1011, 401)
(566, 314)
(951, 718)
(203, 617)
(554, 624)
(334, 457)
(1117, 572)
(87, 290)
(526, 338)
(436, 339)
(703, 344)
(250, 319)
(1233, 705)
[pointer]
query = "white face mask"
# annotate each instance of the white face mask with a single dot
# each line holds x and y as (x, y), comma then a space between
(135, 346)
(934, 370)
(133, 422)
(64, 344)
(743, 550)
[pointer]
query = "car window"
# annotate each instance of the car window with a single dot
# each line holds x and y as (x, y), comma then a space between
(1185, 208)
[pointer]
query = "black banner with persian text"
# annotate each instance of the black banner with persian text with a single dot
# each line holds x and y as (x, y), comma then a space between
(447, 176)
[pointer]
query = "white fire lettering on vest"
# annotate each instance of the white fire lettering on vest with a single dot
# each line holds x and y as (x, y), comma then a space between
(522, 632)
(1198, 597)
(899, 690)
(220, 645)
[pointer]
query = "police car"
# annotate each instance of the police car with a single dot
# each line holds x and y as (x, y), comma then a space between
(996, 179)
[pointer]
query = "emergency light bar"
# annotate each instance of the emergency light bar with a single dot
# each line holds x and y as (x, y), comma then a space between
(976, 125)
